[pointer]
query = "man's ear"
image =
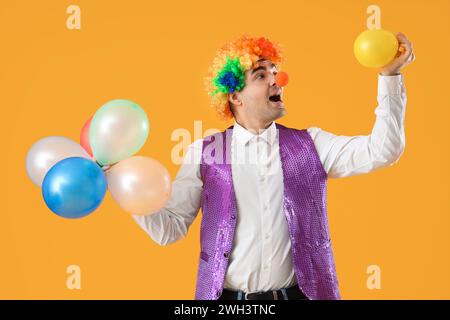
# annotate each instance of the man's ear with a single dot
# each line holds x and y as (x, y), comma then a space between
(234, 99)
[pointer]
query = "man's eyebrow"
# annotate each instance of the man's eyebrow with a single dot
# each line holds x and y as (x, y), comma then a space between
(262, 68)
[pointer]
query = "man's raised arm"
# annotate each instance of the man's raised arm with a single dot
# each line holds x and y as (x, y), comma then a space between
(345, 156)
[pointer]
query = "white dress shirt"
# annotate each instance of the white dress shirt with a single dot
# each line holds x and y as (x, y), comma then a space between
(261, 256)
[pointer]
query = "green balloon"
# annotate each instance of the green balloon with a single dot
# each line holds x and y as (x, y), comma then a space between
(118, 130)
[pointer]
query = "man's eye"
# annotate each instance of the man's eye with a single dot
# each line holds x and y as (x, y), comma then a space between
(260, 75)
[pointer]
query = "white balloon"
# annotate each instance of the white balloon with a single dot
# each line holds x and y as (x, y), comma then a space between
(47, 152)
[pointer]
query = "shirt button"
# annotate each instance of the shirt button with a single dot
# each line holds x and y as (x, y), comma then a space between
(225, 254)
(233, 216)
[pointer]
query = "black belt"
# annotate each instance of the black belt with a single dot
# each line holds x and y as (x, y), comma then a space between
(291, 293)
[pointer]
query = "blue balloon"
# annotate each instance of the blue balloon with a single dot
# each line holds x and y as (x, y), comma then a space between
(74, 187)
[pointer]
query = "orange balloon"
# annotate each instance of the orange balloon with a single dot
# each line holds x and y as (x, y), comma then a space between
(140, 185)
(282, 79)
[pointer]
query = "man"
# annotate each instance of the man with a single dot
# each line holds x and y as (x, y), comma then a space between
(264, 230)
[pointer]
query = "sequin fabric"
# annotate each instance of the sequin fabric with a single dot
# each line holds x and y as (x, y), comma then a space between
(304, 204)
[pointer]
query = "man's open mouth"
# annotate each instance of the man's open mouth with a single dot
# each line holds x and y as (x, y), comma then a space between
(275, 98)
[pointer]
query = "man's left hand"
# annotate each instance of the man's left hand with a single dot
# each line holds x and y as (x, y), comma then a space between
(404, 56)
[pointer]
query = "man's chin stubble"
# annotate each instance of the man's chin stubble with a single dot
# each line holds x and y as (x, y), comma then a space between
(281, 113)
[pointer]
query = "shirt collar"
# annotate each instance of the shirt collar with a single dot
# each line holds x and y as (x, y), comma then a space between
(243, 135)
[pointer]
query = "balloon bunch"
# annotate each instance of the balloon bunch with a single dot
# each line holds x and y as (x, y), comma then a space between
(74, 177)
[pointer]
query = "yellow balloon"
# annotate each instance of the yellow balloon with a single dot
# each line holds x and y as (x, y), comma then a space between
(375, 48)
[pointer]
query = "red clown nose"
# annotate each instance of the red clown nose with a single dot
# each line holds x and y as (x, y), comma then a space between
(282, 79)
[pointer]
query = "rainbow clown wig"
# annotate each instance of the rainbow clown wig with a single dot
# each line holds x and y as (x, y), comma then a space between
(227, 73)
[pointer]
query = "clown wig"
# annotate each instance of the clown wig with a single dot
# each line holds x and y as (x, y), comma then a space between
(227, 73)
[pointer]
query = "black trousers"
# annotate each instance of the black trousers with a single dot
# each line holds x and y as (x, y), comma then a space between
(291, 293)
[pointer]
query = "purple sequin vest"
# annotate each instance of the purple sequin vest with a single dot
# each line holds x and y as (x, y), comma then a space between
(304, 204)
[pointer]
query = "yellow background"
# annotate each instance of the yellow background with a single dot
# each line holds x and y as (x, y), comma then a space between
(156, 53)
